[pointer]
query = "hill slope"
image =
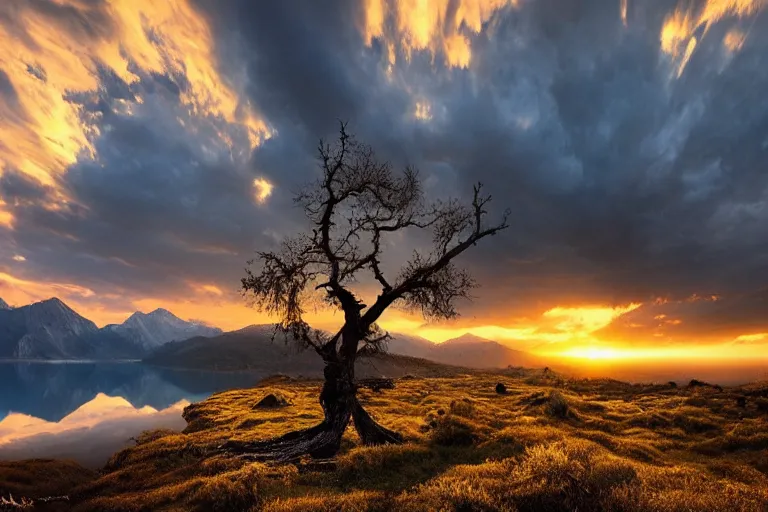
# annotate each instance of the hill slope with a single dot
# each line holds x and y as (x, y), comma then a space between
(253, 349)
(547, 444)
(467, 350)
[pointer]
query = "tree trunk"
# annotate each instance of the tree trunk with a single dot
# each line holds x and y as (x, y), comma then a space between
(339, 404)
(370, 432)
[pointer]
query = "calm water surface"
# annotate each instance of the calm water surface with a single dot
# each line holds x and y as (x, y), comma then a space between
(86, 411)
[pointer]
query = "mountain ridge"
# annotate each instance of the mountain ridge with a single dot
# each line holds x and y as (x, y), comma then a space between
(465, 350)
(252, 348)
(50, 329)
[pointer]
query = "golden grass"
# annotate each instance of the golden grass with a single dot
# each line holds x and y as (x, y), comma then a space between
(547, 444)
(39, 478)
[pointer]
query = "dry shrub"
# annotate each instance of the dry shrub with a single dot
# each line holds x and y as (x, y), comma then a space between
(455, 494)
(693, 422)
(557, 405)
(388, 466)
(463, 407)
(149, 436)
(356, 501)
(235, 491)
(607, 473)
(527, 435)
(680, 489)
(451, 430)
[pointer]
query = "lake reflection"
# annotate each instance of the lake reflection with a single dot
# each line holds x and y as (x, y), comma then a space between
(87, 411)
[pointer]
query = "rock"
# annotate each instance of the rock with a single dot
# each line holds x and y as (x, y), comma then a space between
(275, 380)
(700, 384)
(501, 388)
(271, 401)
(376, 384)
(741, 401)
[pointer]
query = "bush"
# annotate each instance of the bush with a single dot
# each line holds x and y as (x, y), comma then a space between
(153, 435)
(501, 388)
(463, 407)
(451, 430)
(557, 405)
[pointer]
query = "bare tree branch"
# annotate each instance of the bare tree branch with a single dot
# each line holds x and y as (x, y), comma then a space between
(353, 207)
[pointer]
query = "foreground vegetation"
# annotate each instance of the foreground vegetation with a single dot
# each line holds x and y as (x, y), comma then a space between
(546, 444)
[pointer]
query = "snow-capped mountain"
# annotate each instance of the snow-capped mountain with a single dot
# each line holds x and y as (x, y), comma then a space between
(151, 330)
(47, 329)
(52, 330)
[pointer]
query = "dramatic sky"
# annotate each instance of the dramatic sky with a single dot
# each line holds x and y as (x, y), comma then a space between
(147, 148)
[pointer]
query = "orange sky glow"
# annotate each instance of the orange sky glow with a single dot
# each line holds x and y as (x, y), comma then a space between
(563, 332)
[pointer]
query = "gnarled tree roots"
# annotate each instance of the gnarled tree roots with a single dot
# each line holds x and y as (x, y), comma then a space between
(320, 442)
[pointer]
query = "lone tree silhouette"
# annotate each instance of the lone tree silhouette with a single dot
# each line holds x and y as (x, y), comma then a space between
(358, 201)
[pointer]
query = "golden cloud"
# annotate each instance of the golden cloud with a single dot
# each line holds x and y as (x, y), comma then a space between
(685, 27)
(262, 190)
(42, 131)
(441, 27)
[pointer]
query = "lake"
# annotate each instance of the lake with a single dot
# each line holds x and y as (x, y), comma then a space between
(86, 411)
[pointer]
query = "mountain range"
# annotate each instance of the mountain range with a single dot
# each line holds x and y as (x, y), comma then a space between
(253, 348)
(467, 350)
(52, 330)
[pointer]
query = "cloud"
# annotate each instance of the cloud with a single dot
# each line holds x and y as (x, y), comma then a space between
(629, 161)
(701, 319)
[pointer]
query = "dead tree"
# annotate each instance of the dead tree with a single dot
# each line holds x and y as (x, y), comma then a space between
(356, 204)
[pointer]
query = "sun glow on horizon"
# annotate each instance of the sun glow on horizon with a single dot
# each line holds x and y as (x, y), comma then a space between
(604, 354)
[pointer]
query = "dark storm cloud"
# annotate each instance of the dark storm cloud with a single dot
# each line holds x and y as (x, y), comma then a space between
(164, 204)
(625, 177)
(625, 183)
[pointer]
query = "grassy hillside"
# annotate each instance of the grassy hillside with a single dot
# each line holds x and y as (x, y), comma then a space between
(547, 444)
